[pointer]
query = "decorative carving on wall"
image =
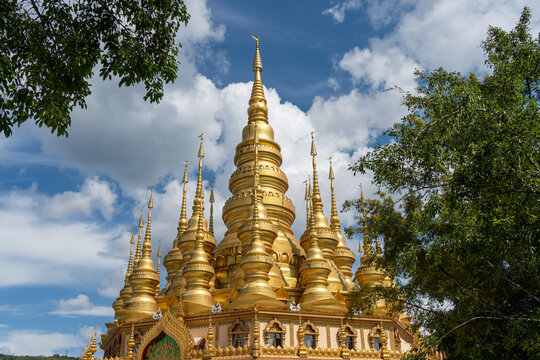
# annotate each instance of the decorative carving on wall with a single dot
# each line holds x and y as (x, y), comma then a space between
(171, 325)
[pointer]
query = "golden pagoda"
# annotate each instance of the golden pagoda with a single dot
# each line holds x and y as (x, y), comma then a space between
(258, 292)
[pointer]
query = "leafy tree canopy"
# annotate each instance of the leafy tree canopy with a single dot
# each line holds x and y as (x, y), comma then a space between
(49, 48)
(462, 229)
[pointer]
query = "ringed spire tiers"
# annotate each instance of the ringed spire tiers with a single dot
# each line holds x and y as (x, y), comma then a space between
(344, 257)
(187, 241)
(273, 184)
(144, 278)
(328, 240)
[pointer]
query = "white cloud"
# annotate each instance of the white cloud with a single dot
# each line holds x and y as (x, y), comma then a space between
(38, 342)
(95, 195)
(38, 245)
(81, 305)
(338, 11)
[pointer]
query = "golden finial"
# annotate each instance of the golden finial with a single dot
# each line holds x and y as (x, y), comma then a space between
(316, 198)
(199, 193)
(201, 150)
(378, 250)
(130, 264)
(138, 251)
(212, 200)
(182, 222)
(257, 103)
(257, 63)
(147, 236)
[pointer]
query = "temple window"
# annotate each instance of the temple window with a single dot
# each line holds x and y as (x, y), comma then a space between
(238, 334)
(375, 337)
(349, 338)
(274, 333)
(311, 335)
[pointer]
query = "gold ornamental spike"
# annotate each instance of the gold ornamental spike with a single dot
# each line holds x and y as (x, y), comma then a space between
(257, 111)
(344, 257)
(328, 241)
(147, 236)
(138, 251)
(130, 263)
(212, 200)
(182, 222)
(158, 266)
(306, 198)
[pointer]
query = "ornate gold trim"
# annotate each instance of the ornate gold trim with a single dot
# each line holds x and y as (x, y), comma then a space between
(173, 326)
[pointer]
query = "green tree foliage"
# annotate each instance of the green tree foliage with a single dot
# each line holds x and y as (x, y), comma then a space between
(49, 49)
(462, 230)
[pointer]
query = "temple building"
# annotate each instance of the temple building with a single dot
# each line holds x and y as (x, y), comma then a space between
(261, 292)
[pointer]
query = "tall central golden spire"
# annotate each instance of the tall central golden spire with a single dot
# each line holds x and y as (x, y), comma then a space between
(273, 184)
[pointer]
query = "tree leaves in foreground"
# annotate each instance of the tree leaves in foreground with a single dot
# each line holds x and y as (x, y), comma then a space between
(462, 234)
(48, 50)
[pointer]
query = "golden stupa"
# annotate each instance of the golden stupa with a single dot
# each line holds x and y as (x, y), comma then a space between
(258, 293)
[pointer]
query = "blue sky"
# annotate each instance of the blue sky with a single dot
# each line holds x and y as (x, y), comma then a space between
(67, 205)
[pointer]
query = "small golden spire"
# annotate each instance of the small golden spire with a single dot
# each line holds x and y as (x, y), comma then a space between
(306, 198)
(158, 266)
(302, 349)
(138, 251)
(344, 257)
(125, 292)
(209, 348)
(315, 271)
(144, 278)
(147, 245)
(93, 348)
(328, 241)
(130, 263)
(182, 222)
(334, 218)
(212, 200)
(257, 111)
(256, 334)
(197, 271)
(131, 342)
(368, 251)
